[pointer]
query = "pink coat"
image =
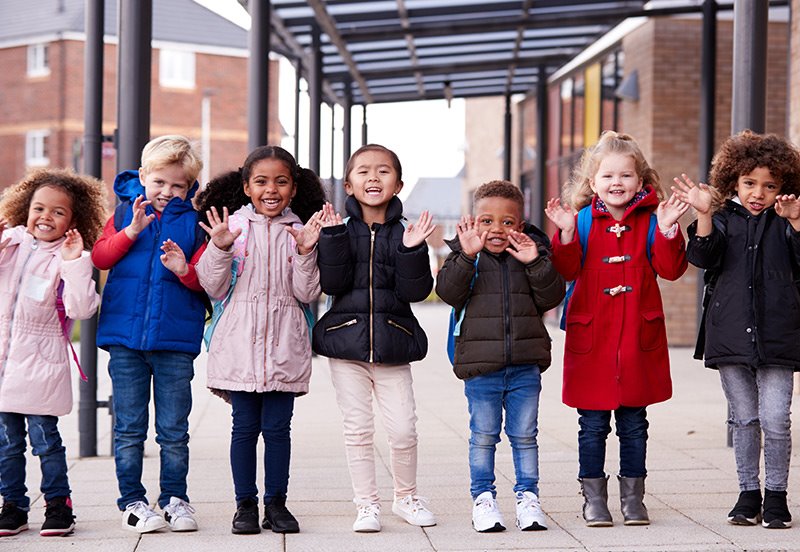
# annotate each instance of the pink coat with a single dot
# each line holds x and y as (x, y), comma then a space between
(261, 342)
(34, 355)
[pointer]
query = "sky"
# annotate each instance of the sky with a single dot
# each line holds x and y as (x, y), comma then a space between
(427, 136)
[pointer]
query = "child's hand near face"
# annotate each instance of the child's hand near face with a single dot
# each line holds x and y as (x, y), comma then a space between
(329, 216)
(669, 211)
(471, 242)
(523, 248)
(417, 233)
(788, 207)
(140, 220)
(174, 259)
(72, 247)
(219, 231)
(308, 236)
(562, 217)
(696, 195)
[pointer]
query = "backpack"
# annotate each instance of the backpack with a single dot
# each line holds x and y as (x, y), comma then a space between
(237, 267)
(584, 226)
(66, 327)
(454, 330)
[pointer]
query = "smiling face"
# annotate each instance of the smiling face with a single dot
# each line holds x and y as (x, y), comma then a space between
(162, 184)
(498, 216)
(616, 182)
(50, 214)
(270, 186)
(373, 181)
(758, 190)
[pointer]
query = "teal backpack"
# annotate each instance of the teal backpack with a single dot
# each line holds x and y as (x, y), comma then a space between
(456, 319)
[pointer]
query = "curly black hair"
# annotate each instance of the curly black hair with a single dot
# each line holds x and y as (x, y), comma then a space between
(746, 151)
(224, 190)
(500, 188)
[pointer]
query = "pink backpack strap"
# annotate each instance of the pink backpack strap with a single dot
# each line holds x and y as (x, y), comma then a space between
(238, 222)
(66, 327)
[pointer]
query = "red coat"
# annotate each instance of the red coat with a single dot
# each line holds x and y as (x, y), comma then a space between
(604, 366)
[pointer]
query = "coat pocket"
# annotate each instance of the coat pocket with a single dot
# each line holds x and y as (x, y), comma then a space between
(653, 333)
(579, 332)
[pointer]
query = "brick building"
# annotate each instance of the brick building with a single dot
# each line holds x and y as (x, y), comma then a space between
(197, 57)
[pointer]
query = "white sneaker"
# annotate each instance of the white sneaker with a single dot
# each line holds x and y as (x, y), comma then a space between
(178, 513)
(414, 509)
(141, 518)
(529, 512)
(486, 518)
(368, 519)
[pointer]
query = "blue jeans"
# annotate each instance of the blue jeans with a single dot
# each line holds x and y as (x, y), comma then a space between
(171, 373)
(595, 425)
(270, 415)
(515, 389)
(760, 400)
(45, 443)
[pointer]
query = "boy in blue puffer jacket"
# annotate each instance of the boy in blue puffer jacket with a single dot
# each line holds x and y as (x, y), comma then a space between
(151, 323)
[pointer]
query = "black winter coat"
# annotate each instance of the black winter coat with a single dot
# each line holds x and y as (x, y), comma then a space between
(503, 322)
(752, 307)
(372, 278)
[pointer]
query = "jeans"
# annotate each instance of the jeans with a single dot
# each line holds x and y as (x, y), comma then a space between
(268, 414)
(760, 400)
(171, 373)
(45, 443)
(515, 389)
(595, 425)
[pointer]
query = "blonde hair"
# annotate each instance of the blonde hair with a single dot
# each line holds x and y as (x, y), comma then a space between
(578, 190)
(172, 149)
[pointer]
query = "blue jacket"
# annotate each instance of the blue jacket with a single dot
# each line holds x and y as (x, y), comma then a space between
(145, 307)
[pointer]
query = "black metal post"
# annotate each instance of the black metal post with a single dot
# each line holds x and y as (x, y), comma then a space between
(333, 140)
(92, 165)
(258, 74)
(540, 191)
(748, 105)
(133, 89)
(347, 143)
(315, 94)
(298, 76)
(364, 128)
(507, 139)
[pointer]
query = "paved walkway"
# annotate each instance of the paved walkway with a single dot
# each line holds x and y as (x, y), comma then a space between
(690, 488)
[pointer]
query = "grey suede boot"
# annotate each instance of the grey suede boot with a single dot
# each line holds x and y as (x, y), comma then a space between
(631, 496)
(595, 502)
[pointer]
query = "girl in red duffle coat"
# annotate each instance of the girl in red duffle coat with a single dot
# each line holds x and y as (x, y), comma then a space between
(616, 358)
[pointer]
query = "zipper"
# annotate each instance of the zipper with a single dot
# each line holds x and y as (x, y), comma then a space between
(266, 314)
(394, 324)
(371, 309)
(506, 311)
(153, 276)
(342, 325)
(34, 247)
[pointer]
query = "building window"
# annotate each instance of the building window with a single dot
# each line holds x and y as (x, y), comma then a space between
(37, 152)
(38, 60)
(176, 69)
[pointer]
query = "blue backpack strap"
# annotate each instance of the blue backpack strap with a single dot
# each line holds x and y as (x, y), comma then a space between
(651, 236)
(454, 328)
(584, 227)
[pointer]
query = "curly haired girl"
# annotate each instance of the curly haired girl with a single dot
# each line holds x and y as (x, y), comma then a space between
(46, 221)
(748, 241)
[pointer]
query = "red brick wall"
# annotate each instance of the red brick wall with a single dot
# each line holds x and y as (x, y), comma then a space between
(794, 75)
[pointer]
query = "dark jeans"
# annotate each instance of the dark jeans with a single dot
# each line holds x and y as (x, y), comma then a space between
(45, 443)
(595, 425)
(270, 415)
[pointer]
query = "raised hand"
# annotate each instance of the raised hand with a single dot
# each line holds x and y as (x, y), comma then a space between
(173, 258)
(563, 217)
(72, 247)
(308, 236)
(523, 248)
(329, 216)
(788, 207)
(3, 243)
(697, 195)
(471, 242)
(669, 211)
(217, 228)
(418, 232)
(140, 220)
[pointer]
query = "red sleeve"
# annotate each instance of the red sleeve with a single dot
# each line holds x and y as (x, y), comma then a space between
(566, 257)
(190, 278)
(111, 246)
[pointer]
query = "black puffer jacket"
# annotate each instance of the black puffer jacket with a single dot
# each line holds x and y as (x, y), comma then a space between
(752, 313)
(503, 321)
(372, 277)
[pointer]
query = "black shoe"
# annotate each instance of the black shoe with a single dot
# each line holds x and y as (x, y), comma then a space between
(12, 520)
(245, 520)
(747, 510)
(776, 512)
(278, 518)
(58, 518)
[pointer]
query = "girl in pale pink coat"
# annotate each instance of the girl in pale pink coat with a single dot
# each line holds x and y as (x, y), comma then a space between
(261, 268)
(46, 221)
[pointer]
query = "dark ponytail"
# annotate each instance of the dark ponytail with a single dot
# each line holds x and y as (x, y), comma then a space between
(224, 190)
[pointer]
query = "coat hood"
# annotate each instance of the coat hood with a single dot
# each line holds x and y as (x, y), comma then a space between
(128, 187)
(394, 210)
(287, 216)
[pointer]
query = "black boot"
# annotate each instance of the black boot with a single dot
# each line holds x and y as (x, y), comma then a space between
(13, 520)
(776, 512)
(747, 510)
(245, 520)
(278, 518)
(58, 518)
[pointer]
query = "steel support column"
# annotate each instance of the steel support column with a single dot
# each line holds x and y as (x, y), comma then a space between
(315, 94)
(540, 189)
(298, 76)
(258, 74)
(507, 139)
(748, 106)
(364, 128)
